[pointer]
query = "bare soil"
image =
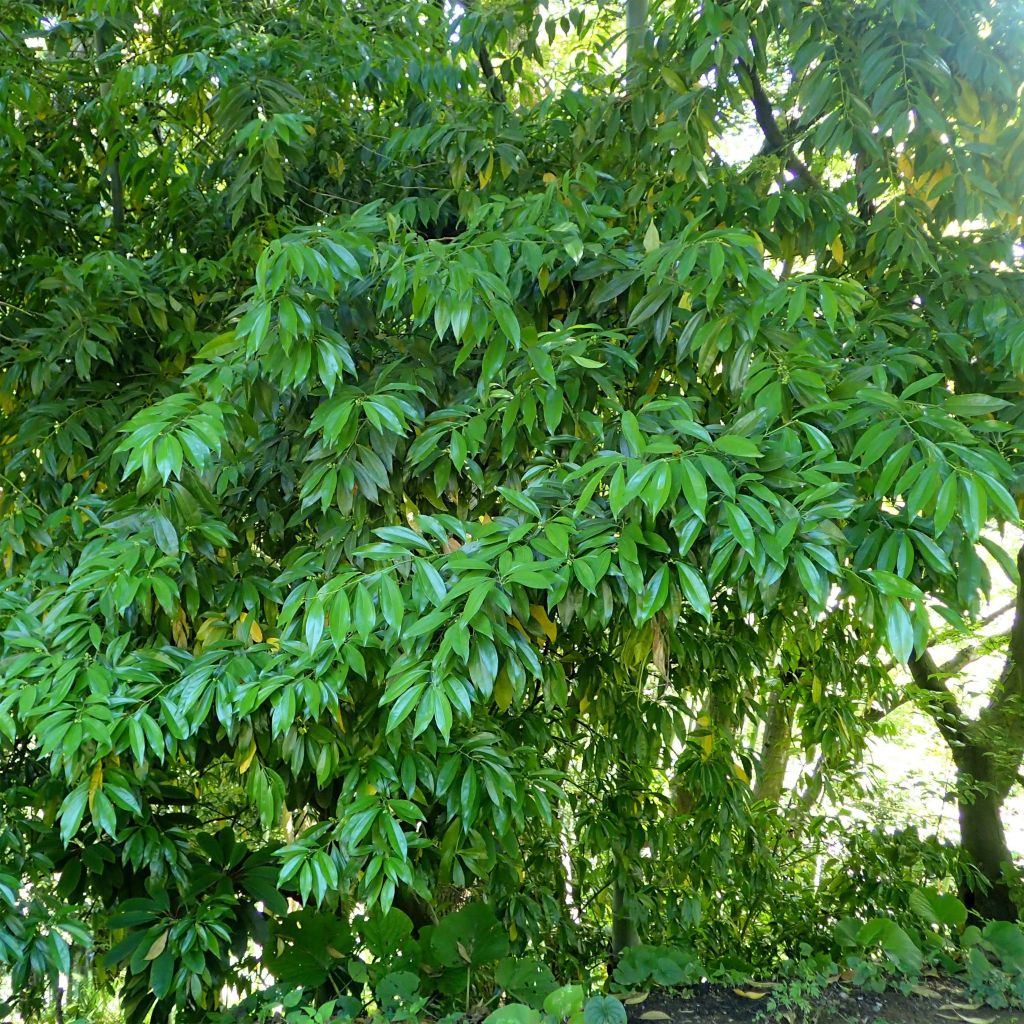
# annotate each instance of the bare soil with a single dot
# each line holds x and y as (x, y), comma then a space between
(934, 1003)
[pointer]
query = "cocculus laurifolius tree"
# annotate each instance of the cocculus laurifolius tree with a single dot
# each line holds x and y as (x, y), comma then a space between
(423, 436)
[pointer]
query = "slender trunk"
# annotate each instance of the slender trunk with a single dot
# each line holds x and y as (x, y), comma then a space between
(636, 28)
(775, 746)
(104, 40)
(624, 931)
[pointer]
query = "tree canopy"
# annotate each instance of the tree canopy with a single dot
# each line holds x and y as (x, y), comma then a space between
(428, 437)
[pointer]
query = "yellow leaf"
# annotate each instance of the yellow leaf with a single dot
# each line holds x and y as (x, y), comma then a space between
(749, 993)
(179, 629)
(654, 1015)
(969, 107)
(837, 249)
(740, 773)
(684, 301)
(212, 628)
(549, 178)
(816, 690)
(95, 781)
(503, 692)
(159, 944)
(584, 704)
(540, 616)
(651, 238)
(485, 174)
(636, 997)
(513, 621)
(707, 743)
(273, 643)
(247, 760)
(513, 931)
(255, 633)
(331, 951)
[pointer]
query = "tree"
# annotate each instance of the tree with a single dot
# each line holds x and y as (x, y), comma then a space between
(416, 457)
(987, 750)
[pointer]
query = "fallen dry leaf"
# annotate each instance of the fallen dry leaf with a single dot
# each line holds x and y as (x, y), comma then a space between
(636, 997)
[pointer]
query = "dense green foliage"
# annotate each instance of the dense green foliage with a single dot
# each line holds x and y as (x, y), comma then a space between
(427, 461)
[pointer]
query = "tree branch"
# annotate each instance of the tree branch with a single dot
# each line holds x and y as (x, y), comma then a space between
(945, 711)
(765, 116)
(866, 208)
(494, 86)
(1004, 712)
(948, 668)
(497, 90)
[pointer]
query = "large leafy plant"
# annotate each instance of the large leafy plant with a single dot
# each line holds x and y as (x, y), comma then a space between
(424, 452)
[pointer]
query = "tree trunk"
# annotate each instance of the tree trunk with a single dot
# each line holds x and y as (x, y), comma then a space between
(104, 40)
(987, 753)
(980, 799)
(775, 746)
(624, 931)
(415, 908)
(636, 28)
(982, 836)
